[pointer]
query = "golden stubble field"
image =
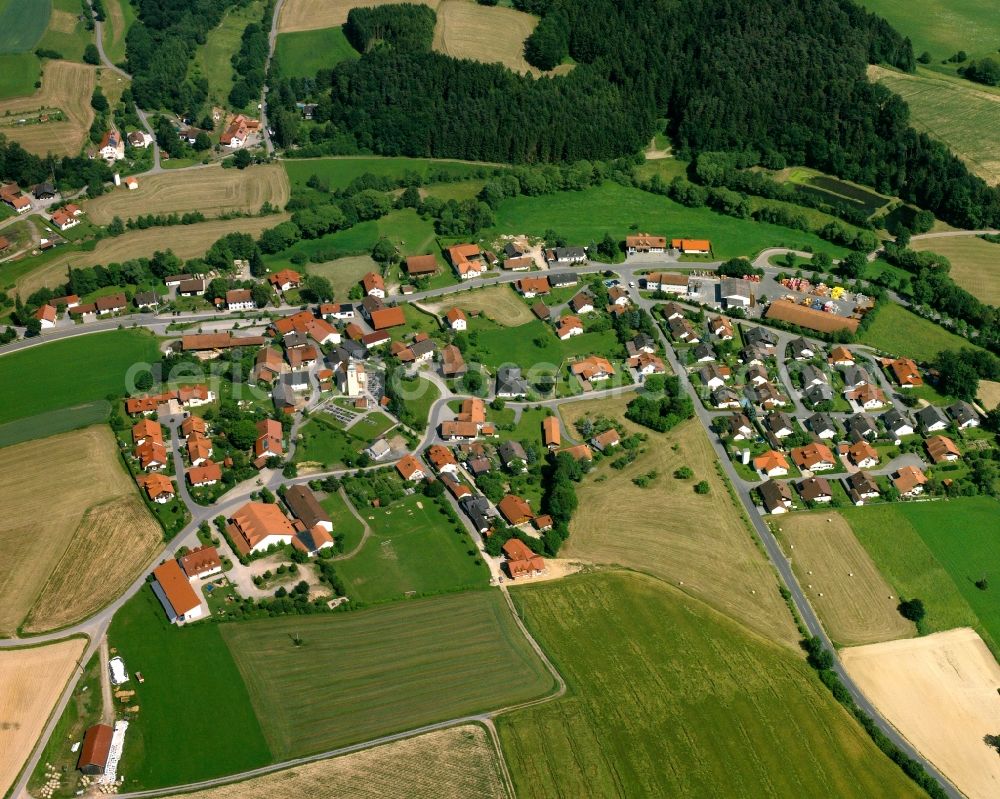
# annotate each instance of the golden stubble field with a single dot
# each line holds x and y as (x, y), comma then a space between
(66, 86)
(186, 241)
(989, 394)
(498, 303)
(455, 763)
(31, 681)
(701, 544)
(491, 34)
(74, 531)
(975, 263)
(842, 582)
(941, 693)
(211, 190)
(309, 15)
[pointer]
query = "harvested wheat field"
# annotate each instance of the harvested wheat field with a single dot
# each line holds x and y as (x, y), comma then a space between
(702, 544)
(68, 87)
(491, 34)
(66, 496)
(211, 190)
(989, 394)
(841, 581)
(454, 763)
(310, 15)
(186, 241)
(31, 681)
(975, 263)
(498, 303)
(941, 693)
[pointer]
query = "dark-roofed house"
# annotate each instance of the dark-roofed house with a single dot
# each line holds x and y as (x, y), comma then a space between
(896, 423)
(560, 280)
(861, 487)
(760, 337)
(964, 414)
(779, 424)
(738, 427)
(801, 350)
(95, 749)
(477, 508)
(815, 489)
(822, 425)
(306, 508)
(513, 456)
(861, 425)
(775, 496)
(569, 255)
(811, 376)
(818, 394)
(931, 419)
(510, 383)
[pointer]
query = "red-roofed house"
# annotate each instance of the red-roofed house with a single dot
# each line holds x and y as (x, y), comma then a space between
(521, 561)
(285, 279)
(46, 316)
(259, 525)
(374, 285)
(175, 593)
(456, 319)
(410, 468)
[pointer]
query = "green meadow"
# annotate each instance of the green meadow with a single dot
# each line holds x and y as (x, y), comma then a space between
(303, 53)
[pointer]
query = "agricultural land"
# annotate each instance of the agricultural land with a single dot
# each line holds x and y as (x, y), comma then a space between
(643, 663)
(211, 190)
(902, 332)
(454, 763)
(391, 665)
(120, 17)
(21, 27)
(304, 53)
(940, 692)
(213, 59)
(66, 87)
(344, 273)
(974, 262)
(497, 303)
(955, 110)
(701, 543)
(492, 34)
(307, 15)
(842, 582)
(31, 680)
(93, 537)
(943, 26)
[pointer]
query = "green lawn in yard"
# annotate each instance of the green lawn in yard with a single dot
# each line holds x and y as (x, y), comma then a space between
(371, 426)
(22, 24)
(420, 321)
(497, 345)
(529, 426)
(419, 397)
(71, 372)
(360, 675)
(303, 53)
(195, 720)
(339, 172)
(325, 443)
(414, 549)
(345, 523)
(903, 548)
(70, 43)
(902, 333)
(18, 73)
(344, 273)
(670, 698)
(213, 60)
(585, 216)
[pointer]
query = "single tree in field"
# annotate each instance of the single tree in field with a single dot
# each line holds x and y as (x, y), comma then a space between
(912, 609)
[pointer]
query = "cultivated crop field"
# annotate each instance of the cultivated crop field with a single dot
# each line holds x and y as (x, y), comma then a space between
(962, 114)
(344, 273)
(701, 543)
(667, 697)
(69, 373)
(360, 675)
(455, 763)
(975, 263)
(75, 532)
(308, 15)
(498, 303)
(68, 87)
(211, 190)
(187, 241)
(943, 26)
(989, 394)
(31, 681)
(841, 581)
(22, 24)
(491, 34)
(940, 692)
(304, 53)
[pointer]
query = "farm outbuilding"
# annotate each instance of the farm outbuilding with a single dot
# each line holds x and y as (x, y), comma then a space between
(95, 750)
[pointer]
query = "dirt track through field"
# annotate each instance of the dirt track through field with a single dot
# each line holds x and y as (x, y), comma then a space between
(186, 241)
(309, 15)
(212, 190)
(66, 86)
(940, 692)
(455, 763)
(30, 683)
(841, 580)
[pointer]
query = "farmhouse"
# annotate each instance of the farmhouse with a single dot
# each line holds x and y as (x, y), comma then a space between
(200, 563)
(802, 316)
(64, 220)
(373, 285)
(520, 264)
(667, 282)
(560, 280)
(238, 132)
(240, 300)
(452, 362)
(814, 457)
(692, 246)
(192, 288)
(521, 561)
(146, 299)
(46, 316)
(467, 259)
(113, 303)
(421, 265)
(942, 449)
(515, 510)
(175, 593)
(44, 191)
(606, 440)
(566, 255)
(579, 452)
(95, 750)
(112, 146)
(533, 286)
(410, 468)
(306, 508)
(645, 243)
(285, 279)
(259, 525)
(456, 319)
(11, 194)
(551, 434)
(909, 481)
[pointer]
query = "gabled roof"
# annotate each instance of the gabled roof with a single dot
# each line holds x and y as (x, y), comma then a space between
(176, 588)
(387, 317)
